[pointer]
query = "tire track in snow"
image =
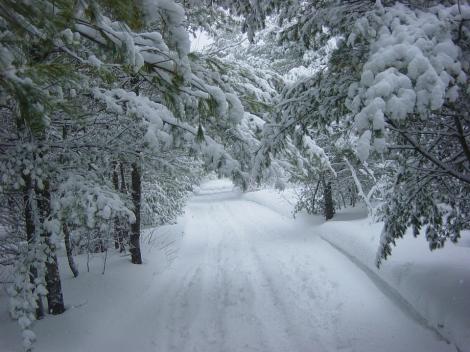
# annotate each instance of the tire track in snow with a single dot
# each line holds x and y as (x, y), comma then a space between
(317, 292)
(210, 331)
(301, 342)
(181, 313)
(294, 331)
(216, 334)
(183, 295)
(304, 333)
(239, 292)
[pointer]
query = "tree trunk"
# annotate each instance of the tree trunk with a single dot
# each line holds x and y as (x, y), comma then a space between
(353, 196)
(329, 209)
(116, 222)
(55, 300)
(30, 229)
(118, 226)
(314, 198)
(124, 227)
(123, 179)
(124, 233)
(68, 249)
(136, 185)
(342, 198)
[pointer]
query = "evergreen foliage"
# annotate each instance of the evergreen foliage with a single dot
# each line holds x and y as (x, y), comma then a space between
(109, 121)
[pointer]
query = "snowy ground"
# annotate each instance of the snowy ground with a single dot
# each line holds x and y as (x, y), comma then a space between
(232, 275)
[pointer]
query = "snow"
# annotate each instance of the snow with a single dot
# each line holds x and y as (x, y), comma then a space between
(413, 65)
(363, 145)
(236, 111)
(171, 15)
(238, 273)
(314, 150)
(434, 284)
(94, 61)
(200, 41)
(68, 35)
(219, 97)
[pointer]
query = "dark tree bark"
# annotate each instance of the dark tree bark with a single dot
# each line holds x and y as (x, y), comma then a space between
(30, 229)
(119, 227)
(314, 198)
(116, 222)
(124, 233)
(99, 246)
(352, 198)
(123, 178)
(55, 299)
(68, 249)
(342, 198)
(329, 209)
(136, 185)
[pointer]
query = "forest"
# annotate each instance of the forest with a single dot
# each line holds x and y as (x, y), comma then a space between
(129, 125)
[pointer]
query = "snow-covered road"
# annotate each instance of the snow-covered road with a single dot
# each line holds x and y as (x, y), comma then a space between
(249, 279)
(231, 276)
